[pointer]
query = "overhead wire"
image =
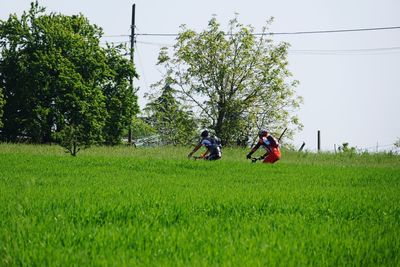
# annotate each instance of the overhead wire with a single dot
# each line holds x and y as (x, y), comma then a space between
(289, 33)
(358, 51)
(141, 66)
(155, 43)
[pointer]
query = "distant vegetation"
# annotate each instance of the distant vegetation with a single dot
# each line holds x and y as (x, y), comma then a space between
(153, 207)
(397, 143)
(59, 85)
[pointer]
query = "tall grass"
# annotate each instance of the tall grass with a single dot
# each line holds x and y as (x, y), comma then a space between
(154, 207)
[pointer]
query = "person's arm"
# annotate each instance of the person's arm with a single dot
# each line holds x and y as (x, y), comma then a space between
(254, 149)
(194, 150)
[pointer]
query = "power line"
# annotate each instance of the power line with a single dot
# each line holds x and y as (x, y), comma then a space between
(141, 66)
(295, 51)
(269, 33)
(313, 51)
(359, 51)
(154, 43)
(288, 33)
(118, 35)
(356, 51)
(352, 50)
(333, 31)
(119, 42)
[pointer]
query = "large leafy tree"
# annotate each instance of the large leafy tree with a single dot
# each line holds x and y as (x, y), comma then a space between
(59, 81)
(172, 122)
(121, 101)
(238, 81)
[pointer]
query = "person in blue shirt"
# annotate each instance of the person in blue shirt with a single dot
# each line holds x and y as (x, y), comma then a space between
(212, 145)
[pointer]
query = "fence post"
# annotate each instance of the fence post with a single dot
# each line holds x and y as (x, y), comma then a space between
(302, 146)
(319, 140)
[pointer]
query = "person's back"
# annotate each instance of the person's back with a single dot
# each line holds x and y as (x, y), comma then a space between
(212, 144)
(271, 145)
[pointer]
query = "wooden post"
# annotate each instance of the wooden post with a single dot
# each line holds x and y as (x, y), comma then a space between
(280, 137)
(302, 146)
(319, 140)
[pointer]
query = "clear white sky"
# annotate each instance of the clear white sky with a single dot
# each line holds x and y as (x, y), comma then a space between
(351, 97)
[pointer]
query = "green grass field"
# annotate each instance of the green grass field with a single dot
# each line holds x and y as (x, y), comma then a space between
(153, 207)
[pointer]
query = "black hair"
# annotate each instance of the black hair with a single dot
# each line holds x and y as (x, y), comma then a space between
(204, 134)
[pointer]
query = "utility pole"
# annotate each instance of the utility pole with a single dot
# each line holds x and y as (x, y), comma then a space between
(131, 79)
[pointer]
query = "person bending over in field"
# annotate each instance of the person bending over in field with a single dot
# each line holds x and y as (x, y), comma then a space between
(211, 143)
(271, 146)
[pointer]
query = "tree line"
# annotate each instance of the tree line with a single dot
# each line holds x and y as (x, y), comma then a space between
(59, 85)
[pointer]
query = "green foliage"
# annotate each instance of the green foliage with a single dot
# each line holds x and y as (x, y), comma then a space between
(56, 76)
(172, 122)
(238, 82)
(153, 207)
(397, 143)
(345, 148)
(121, 101)
(49, 67)
(71, 139)
(142, 129)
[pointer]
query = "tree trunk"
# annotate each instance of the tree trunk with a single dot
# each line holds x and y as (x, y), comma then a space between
(73, 149)
(220, 123)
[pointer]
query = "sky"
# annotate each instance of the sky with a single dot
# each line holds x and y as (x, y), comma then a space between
(350, 81)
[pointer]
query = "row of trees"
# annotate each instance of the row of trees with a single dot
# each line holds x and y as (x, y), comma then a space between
(57, 84)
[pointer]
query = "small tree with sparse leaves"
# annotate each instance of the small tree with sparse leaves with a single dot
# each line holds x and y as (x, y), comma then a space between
(236, 82)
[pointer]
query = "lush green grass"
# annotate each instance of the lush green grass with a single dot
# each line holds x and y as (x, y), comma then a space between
(153, 207)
